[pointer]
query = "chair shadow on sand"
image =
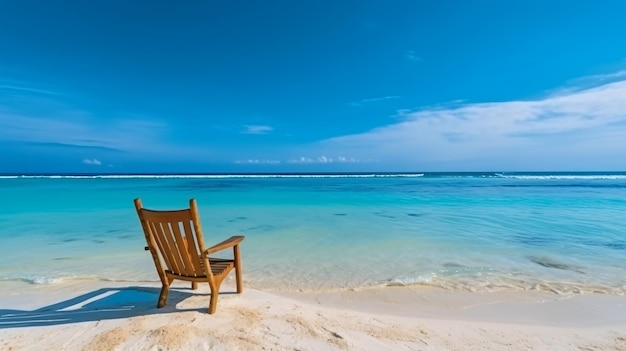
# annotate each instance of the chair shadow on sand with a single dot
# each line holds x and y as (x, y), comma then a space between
(101, 304)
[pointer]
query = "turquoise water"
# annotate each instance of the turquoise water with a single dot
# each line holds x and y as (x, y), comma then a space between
(462, 231)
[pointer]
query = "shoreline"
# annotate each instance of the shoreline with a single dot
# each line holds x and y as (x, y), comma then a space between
(107, 315)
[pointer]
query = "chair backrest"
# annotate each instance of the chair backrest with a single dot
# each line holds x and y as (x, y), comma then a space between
(175, 240)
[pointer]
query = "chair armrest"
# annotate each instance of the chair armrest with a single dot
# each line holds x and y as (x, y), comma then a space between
(230, 242)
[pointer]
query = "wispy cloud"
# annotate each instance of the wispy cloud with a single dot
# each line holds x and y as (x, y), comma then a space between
(71, 146)
(378, 99)
(576, 129)
(412, 56)
(256, 129)
(588, 82)
(45, 121)
(6, 89)
(257, 162)
(81, 130)
(324, 159)
(93, 161)
(43, 117)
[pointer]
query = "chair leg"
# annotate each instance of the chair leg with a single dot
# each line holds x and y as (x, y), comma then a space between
(165, 289)
(238, 269)
(215, 291)
(194, 285)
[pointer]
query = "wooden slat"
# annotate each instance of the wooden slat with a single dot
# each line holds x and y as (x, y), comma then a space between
(163, 248)
(167, 247)
(166, 216)
(220, 266)
(183, 251)
(193, 249)
(174, 253)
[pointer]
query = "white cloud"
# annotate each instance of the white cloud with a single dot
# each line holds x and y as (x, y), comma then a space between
(94, 162)
(256, 129)
(257, 162)
(324, 159)
(576, 129)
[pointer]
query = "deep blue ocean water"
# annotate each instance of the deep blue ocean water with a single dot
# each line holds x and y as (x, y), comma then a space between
(563, 232)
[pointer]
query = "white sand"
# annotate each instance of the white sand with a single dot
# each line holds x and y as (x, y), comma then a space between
(113, 316)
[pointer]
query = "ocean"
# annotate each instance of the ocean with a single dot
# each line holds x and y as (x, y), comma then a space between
(560, 232)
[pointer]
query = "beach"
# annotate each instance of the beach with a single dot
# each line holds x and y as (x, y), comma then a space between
(81, 316)
(323, 175)
(472, 261)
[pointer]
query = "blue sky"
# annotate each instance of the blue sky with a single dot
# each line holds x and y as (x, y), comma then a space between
(312, 86)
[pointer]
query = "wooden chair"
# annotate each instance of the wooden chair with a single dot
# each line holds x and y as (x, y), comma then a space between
(177, 246)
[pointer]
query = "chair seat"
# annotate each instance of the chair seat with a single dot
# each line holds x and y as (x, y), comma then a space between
(219, 267)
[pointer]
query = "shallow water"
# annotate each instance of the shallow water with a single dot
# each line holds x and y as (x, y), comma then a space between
(463, 231)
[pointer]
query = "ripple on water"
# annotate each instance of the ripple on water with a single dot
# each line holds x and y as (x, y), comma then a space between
(262, 228)
(551, 263)
(384, 215)
(415, 214)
